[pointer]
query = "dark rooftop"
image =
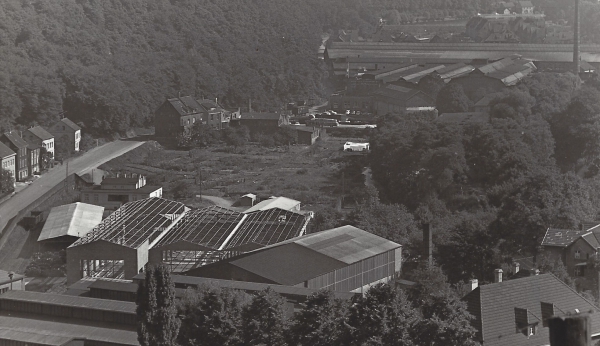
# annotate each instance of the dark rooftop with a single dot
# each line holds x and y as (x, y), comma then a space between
(186, 105)
(70, 124)
(5, 151)
(561, 237)
(40, 133)
(15, 139)
(72, 301)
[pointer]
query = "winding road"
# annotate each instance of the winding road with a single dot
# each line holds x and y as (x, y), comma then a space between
(10, 244)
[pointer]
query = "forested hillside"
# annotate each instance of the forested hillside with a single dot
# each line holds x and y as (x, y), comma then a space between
(109, 64)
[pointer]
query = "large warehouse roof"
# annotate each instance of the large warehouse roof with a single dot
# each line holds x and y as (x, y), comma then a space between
(75, 219)
(136, 222)
(299, 259)
(208, 227)
(268, 227)
(461, 51)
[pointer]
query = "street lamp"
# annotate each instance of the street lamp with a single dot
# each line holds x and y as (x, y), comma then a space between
(10, 276)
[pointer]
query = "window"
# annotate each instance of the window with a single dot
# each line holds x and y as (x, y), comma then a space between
(531, 330)
(193, 120)
(212, 117)
(577, 254)
(95, 198)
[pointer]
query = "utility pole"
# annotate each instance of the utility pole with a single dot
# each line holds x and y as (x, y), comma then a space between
(343, 187)
(67, 176)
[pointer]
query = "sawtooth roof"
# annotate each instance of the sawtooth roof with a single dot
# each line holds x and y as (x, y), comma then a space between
(75, 219)
(493, 307)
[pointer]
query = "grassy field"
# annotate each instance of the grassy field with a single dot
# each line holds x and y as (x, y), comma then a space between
(315, 175)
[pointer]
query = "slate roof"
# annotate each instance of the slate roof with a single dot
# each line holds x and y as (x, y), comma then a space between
(493, 307)
(14, 138)
(40, 133)
(561, 237)
(186, 105)
(70, 124)
(5, 151)
(75, 219)
(277, 202)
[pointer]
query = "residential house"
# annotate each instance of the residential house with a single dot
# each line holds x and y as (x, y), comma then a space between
(68, 131)
(8, 159)
(39, 136)
(114, 192)
(396, 99)
(524, 7)
(176, 116)
(575, 248)
(263, 122)
(215, 115)
(33, 158)
(516, 312)
(19, 146)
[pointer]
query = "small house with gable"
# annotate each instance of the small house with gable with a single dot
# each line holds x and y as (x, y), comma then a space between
(65, 128)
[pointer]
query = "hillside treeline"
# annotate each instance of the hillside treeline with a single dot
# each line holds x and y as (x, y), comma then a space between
(491, 189)
(109, 64)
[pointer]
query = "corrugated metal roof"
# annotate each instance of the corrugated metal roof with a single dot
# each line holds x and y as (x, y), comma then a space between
(277, 202)
(72, 301)
(136, 222)
(5, 151)
(40, 133)
(75, 219)
(493, 307)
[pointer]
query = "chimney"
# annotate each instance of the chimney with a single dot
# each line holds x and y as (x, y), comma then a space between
(547, 312)
(498, 275)
(515, 268)
(427, 244)
(471, 285)
(576, 39)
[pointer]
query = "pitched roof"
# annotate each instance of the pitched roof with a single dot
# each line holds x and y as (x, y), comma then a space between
(299, 259)
(561, 237)
(186, 105)
(40, 133)
(75, 219)
(70, 124)
(15, 139)
(275, 202)
(5, 151)
(493, 307)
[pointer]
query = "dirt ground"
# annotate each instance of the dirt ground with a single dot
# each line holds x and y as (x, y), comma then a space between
(316, 175)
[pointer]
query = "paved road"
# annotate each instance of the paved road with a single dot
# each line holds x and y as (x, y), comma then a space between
(80, 165)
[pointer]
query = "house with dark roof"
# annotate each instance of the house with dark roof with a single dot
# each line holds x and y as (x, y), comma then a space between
(215, 115)
(19, 146)
(39, 136)
(396, 99)
(177, 115)
(345, 259)
(8, 159)
(575, 248)
(515, 312)
(68, 132)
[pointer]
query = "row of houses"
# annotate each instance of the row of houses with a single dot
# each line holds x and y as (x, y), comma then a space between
(21, 151)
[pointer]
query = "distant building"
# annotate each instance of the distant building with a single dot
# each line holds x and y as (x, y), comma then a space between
(305, 135)
(114, 192)
(516, 312)
(8, 159)
(176, 116)
(214, 115)
(396, 99)
(246, 200)
(345, 259)
(524, 7)
(38, 135)
(19, 146)
(68, 130)
(263, 122)
(69, 222)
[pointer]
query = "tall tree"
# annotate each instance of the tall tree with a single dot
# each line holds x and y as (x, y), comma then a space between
(263, 320)
(158, 323)
(7, 181)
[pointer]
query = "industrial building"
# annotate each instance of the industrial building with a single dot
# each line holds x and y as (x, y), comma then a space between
(113, 192)
(157, 230)
(34, 318)
(69, 222)
(344, 259)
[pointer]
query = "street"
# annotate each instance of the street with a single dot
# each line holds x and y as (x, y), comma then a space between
(38, 187)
